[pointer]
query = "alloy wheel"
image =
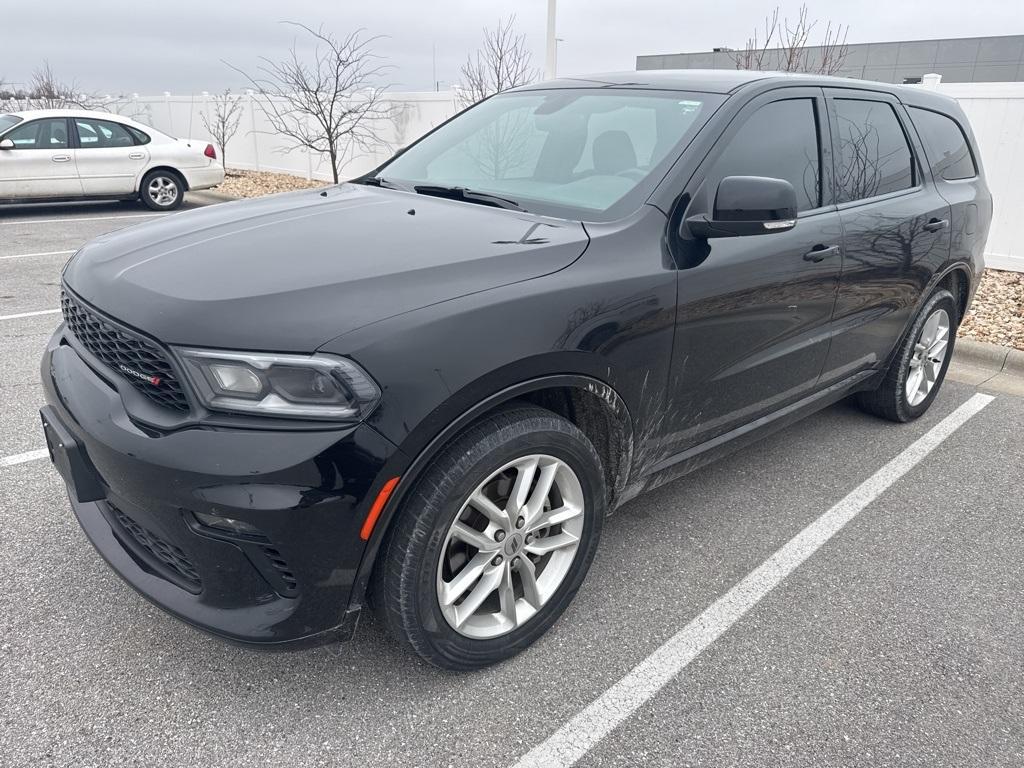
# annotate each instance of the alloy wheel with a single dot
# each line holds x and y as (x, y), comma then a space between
(163, 191)
(928, 356)
(510, 547)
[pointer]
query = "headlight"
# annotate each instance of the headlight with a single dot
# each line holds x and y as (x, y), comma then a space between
(296, 386)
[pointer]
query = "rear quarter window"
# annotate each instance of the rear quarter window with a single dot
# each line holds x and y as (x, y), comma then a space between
(946, 145)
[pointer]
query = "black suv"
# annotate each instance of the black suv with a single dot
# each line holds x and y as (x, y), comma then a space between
(425, 388)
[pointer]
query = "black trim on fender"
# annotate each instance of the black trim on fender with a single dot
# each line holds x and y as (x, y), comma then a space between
(410, 474)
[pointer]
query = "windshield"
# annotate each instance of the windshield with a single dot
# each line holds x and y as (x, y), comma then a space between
(6, 121)
(580, 153)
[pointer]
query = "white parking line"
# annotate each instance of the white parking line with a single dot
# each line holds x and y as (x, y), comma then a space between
(67, 219)
(30, 314)
(28, 255)
(21, 458)
(574, 739)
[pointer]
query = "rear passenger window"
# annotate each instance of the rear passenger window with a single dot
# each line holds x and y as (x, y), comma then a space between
(946, 145)
(873, 155)
(102, 134)
(780, 141)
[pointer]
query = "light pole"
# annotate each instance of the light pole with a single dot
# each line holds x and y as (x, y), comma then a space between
(551, 61)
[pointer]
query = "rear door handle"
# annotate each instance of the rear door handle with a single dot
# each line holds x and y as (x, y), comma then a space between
(821, 252)
(136, 156)
(934, 225)
(61, 158)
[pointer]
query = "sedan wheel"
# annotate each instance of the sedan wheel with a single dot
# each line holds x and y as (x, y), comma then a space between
(161, 191)
(510, 547)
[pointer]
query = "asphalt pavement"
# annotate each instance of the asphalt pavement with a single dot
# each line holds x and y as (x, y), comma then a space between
(896, 640)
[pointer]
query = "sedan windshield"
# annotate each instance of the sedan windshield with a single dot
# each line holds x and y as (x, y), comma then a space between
(6, 121)
(582, 153)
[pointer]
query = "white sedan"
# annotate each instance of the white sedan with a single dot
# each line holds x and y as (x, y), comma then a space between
(69, 154)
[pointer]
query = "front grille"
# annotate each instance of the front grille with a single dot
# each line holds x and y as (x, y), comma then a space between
(166, 553)
(119, 349)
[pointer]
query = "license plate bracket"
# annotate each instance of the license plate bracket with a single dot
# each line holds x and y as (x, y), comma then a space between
(70, 460)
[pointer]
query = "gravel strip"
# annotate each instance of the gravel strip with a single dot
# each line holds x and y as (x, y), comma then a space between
(259, 183)
(997, 313)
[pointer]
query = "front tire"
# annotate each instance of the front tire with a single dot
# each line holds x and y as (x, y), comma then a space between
(916, 373)
(494, 540)
(162, 190)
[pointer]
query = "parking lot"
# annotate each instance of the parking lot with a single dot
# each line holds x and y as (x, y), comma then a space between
(846, 592)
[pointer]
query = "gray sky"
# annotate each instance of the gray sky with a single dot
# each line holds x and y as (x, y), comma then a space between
(149, 48)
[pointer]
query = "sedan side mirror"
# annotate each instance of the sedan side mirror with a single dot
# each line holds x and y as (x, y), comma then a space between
(748, 205)
(6, 144)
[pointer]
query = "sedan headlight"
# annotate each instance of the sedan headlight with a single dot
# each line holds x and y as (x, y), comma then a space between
(296, 386)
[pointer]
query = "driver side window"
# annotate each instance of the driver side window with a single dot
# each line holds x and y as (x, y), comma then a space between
(51, 133)
(780, 141)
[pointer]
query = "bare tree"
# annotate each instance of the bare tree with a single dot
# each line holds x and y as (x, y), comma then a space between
(329, 103)
(222, 123)
(754, 55)
(47, 91)
(785, 46)
(502, 63)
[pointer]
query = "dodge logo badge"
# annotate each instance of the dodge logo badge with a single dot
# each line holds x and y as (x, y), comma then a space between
(154, 380)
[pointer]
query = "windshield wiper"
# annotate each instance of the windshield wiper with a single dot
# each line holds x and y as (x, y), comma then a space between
(378, 181)
(468, 195)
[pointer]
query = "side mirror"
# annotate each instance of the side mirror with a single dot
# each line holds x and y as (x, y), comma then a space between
(6, 144)
(748, 205)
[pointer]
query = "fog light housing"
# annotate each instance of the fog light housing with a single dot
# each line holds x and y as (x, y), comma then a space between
(225, 524)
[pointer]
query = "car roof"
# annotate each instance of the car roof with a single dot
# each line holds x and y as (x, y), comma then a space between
(730, 80)
(35, 114)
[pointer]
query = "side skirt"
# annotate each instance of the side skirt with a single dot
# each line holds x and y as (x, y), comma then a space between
(683, 463)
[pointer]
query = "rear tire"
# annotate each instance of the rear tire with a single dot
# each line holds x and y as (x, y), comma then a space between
(916, 373)
(466, 588)
(162, 190)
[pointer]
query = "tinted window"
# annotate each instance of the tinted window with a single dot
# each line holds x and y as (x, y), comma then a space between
(139, 136)
(946, 145)
(6, 121)
(873, 155)
(102, 134)
(780, 141)
(41, 134)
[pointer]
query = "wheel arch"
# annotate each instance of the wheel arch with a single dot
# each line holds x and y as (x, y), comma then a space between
(166, 169)
(594, 406)
(955, 277)
(957, 280)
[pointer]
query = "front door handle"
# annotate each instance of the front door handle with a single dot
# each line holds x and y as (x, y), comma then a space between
(61, 158)
(821, 252)
(934, 225)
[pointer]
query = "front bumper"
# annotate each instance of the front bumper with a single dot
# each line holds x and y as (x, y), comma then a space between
(304, 494)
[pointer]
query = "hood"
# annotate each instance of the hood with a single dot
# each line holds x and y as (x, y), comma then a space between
(288, 273)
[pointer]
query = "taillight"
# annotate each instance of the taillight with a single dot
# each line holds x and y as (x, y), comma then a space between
(210, 152)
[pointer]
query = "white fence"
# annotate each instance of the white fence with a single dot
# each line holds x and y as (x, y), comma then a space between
(996, 112)
(256, 147)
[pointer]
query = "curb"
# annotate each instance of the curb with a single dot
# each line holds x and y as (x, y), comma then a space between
(989, 357)
(1014, 363)
(980, 354)
(210, 195)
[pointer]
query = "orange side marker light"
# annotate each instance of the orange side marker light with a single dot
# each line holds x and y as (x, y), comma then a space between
(377, 508)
